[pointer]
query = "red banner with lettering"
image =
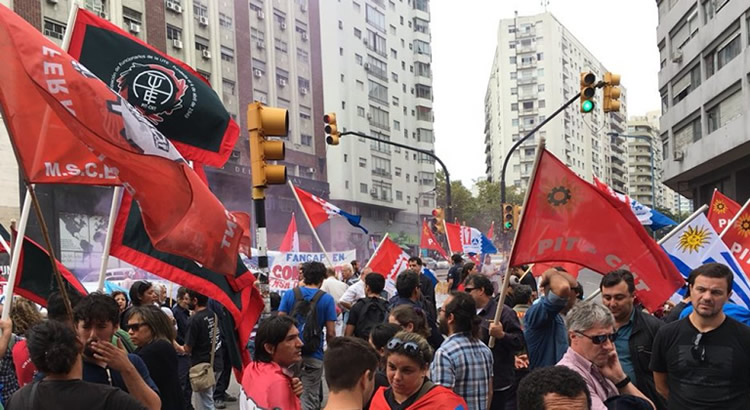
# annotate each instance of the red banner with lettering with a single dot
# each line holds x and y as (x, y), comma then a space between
(721, 211)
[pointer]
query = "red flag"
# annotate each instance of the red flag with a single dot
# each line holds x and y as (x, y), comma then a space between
(538, 268)
(721, 211)
(428, 240)
(290, 243)
(454, 235)
(737, 240)
(491, 231)
(243, 220)
(389, 260)
(180, 213)
(566, 219)
(319, 210)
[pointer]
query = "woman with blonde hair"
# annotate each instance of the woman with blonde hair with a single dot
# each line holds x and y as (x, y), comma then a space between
(24, 315)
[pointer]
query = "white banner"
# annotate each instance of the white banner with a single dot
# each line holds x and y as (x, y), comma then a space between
(285, 266)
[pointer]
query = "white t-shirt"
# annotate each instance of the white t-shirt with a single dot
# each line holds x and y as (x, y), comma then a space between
(334, 287)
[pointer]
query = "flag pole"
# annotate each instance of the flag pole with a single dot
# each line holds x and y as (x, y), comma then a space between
(309, 222)
(734, 219)
(666, 237)
(506, 278)
(376, 250)
(110, 232)
(70, 23)
(447, 237)
(16, 255)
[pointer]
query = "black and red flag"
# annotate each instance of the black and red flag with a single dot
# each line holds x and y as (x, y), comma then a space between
(237, 293)
(168, 92)
(36, 279)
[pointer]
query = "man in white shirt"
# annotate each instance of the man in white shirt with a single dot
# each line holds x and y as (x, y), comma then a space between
(356, 291)
(336, 289)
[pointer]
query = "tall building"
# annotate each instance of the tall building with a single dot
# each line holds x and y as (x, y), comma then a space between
(261, 50)
(704, 95)
(378, 80)
(537, 69)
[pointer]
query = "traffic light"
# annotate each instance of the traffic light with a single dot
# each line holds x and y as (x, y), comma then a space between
(612, 92)
(587, 91)
(262, 123)
(438, 216)
(332, 130)
(508, 217)
(516, 215)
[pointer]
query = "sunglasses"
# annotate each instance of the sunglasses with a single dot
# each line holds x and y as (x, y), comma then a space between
(410, 348)
(698, 350)
(599, 339)
(134, 326)
(468, 290)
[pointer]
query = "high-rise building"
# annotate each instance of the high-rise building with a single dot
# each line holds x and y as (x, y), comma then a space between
(378, 81)
(537, 69)
(704, 88)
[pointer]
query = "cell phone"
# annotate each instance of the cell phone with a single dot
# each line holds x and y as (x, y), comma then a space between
(88, 351)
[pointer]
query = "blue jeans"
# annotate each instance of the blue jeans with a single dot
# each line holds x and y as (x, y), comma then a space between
(204, 400)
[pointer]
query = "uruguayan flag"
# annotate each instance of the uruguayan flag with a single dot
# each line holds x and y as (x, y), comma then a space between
(650, 217)
(698, 243)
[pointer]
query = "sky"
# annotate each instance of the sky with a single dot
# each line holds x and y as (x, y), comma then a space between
(620, 33)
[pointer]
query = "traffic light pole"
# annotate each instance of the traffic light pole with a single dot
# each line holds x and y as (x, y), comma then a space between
(449, 202)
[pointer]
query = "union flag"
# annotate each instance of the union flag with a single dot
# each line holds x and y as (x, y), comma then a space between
(721, 210)
(428, 240)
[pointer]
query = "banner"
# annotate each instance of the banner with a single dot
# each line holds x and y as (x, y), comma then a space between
(285, 266)
(389, 260)
(721, 211)
(466, 240)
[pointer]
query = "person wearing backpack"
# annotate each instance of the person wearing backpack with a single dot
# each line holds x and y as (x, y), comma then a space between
(313, 310)
(369, 311)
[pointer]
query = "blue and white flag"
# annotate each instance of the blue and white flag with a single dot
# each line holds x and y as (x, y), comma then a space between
(698, 243)
(646, 216)
(431, 275)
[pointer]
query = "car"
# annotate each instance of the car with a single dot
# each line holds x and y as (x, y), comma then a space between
(430, 263)
(443, 265)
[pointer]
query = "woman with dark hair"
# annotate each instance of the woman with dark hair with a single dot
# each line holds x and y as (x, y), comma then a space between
(121, 298)
(469, 268)
(141, 292)
(408, 357)
(411, 319)
(56, 351)
(150, 329)
(379, 337)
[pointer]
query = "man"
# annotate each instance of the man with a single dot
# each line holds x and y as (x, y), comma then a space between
(555, 387)
(96, 317)
(350, 365)
(425, 285)
(267, 382)
(544, 328)
(676, 311)
(333, 286)
(592, 354)
(355, 267)
(355, 292)
(454, 273)
(702, 361)
(508, 335)
(522, 296)
(635, 331)
(525, 278)
(370, 311)
(312, 303)
(463, 363)
(203, 333)
(181, 312)
(347, 275)
(408, 293)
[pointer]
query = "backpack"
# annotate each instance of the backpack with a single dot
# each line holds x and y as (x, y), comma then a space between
(373, 312)
(306, 314)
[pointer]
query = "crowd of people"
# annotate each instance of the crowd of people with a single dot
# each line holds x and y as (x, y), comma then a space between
(343, 342)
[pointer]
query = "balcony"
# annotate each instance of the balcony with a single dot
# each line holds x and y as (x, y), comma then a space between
(526, 49)
(526, 64)
(527, 96)
(531, 111)
(528, 80)
(525, 34)
(381, 172)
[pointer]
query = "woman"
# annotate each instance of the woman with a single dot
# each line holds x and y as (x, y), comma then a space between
(379, 337)
(142, 292)
(408, 357)
(150, 330)
(24, 314)
(410, 319)
(470, 268)
(121, 298)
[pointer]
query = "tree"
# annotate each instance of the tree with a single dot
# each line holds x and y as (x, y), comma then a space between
(464, 205)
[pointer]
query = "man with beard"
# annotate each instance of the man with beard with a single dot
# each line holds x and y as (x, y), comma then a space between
(592, 354)
(701, 361)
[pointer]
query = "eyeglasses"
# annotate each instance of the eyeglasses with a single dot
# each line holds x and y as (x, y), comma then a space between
(409, 348)
(134, 326)
(468, 290)
(599, 339)
(698, 350)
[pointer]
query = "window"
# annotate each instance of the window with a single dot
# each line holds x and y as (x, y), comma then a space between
(686, 84)
(688, 133)
(425, 135)
(362, 162)
(542, 104)
(395, 101)
(399, 196)
(664, 101)
(662, 55)
(394, 53)
(54, 29)
(724, 112)
(173, 33)
(528, 105)
(130, 16)
(259, 65)
(513, 91)
(225, 21)
(379, 118)
(540, 73)
(282, 76)
(227, 54)
(361, 111)
(301, 28)
(423, 91)
(539, 56)
(380, 146)
(199, 10)
(357, 33)
(227, 87)
(357, 7)
(201, 43)
(280, 45)
(303, 56)
(363, 188)
(728, 52)
(396, 125)
(257, 35)
(514, 106)
(686, 29)
(382, 190)
(512, 59)
(376, 43)
(514, 122)
(304, 112)
(303, 83)
(279, 17)
(421, 47)
(341, 25)
(378, 92)
(540, 88)
(306, 140)
(261, 96)
(397, 171)
(377, 67)
(375, 18)
(381, 166)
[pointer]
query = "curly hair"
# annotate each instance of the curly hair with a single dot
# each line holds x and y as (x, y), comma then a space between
(24, 315)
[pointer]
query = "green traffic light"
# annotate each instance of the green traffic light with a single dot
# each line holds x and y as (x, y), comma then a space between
(587, 106)
(508, 225)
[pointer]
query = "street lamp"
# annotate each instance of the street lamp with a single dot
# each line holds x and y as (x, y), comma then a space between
(614, 135)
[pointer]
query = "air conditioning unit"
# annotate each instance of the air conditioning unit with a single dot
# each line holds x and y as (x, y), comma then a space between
(203, 21)
(365, 41)
(303, 91)
(374, 192)
(103, 14)
(303, 7)
(176, 43)
(135, 28)
(170, 5)
(178, 9)
(52, 1)
(206, 54)
(369, 116)
(367, 66)
(677, 56)
(304, 36)
(261, 15)
(282, 82)
(257, 73)
(679, 155)
(283, 25)
(261, 45)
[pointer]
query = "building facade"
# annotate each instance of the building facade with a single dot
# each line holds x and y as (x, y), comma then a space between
(703, 82)
(537, 69)
(378, 81)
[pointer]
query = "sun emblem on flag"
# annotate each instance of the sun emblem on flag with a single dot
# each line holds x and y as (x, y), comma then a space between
(743, 225)
(720, 207)
(693, 239)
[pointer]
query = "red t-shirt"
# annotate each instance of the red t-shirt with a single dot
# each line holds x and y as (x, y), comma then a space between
(438, 398)
(264, 385)
(22, 362)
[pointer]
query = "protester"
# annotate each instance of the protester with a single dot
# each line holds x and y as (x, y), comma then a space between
(56, 309)
(142, 292)
(555, 387)
(426, 287)
(411, 319)
(355, 268)
(635, 331)
(523, 300)
(121, 298)
(203, 334)
(56, 351)
(379, 337)
(347, 275)
(333, 286)
(23, 314)
(544, 327)
(165, 299)
(313, 310)
(407, 290)
(356, 291)
(469, 268)
(408, 357)
(96, 318)
(8, 378)
(508, 338)
(525, 277)
(181, 311)
(463, 363)
(151, 331)
(454, 273)
(676, 311)
(267, 381)
(701, 361)
(349, 365)
(370, 311)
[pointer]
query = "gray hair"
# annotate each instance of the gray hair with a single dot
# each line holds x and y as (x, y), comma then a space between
(585, 315)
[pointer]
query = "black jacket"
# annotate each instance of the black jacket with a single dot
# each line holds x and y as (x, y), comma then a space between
(641, 342)
(505, 349)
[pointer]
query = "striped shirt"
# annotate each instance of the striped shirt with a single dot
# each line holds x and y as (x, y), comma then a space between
(464, 365)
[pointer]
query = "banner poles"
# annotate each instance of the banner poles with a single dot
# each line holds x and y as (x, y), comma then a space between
(114, 207)
(309, 222)
(15, 256)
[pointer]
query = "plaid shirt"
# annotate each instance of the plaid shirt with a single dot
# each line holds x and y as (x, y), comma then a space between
(464, 365)
(8, 377)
